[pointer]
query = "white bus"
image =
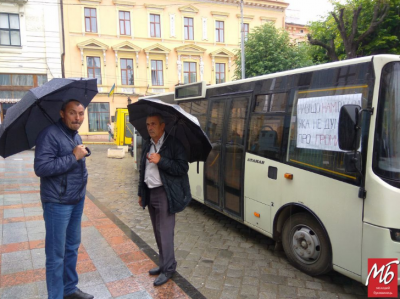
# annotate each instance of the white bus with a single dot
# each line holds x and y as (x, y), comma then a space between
(276, 165)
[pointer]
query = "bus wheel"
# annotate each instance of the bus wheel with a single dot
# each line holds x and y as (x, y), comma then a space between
(306, 244)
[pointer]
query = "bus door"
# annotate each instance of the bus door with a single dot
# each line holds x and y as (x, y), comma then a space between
(224, 166)
(128, 130)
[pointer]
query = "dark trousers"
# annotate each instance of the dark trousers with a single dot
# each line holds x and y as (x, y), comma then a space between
(163, 226)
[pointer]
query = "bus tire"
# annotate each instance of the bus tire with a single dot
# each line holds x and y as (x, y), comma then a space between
(306, 244)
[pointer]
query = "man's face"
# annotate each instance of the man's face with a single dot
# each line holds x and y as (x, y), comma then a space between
(154, 127)
(73, 115)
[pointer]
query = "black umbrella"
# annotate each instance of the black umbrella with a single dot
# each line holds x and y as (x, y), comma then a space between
(39, 108)
(179, 124)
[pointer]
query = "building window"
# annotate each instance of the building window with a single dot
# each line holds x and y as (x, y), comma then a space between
(14, 86)
(99, 116)
(219, 31)
(157, 72)
(245, 31)
(219, 73)
(9, 30)
(90, 20)
(301, 31)
(188, 23)
(189, 72)
(126, 71)
(94, 68)
(155, 28)
(124, 23)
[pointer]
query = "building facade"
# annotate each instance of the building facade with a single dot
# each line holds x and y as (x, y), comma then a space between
(297, 32)
(142, 48)
(30, 47)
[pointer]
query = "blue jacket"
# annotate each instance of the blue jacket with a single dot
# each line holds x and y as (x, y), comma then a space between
(173, 168)
(63, 179)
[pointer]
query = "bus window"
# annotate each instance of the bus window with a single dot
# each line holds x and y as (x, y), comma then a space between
(386, 161)
(266, 125)
(198, 109)
(313, 140)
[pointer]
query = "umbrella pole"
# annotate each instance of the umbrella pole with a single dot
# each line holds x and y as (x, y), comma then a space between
(45, 113)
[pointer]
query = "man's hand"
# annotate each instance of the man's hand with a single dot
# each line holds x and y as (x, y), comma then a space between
(140, 201)
(153, 158)
(80, 152)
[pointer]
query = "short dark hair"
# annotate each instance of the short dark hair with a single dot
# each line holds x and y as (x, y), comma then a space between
(64, 105)
(160, 117)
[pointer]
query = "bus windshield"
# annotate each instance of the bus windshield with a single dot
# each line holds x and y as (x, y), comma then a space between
(387, 137)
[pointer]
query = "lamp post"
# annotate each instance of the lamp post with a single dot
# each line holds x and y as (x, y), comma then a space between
(242, 40)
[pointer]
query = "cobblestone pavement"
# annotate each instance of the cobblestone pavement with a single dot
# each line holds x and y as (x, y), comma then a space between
(111, 262)
(219, 256)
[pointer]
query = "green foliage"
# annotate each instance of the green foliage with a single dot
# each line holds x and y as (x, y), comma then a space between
(385, 40)
(268, 50)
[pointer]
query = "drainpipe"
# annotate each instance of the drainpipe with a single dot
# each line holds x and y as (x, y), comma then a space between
(63, 40)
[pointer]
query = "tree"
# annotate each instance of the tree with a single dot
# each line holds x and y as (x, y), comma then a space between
(268, 50)
(357, 23)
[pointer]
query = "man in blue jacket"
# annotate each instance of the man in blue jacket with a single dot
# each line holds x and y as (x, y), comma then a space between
(60, 164)
(164, 188)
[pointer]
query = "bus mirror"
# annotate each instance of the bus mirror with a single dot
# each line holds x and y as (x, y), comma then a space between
(112, 118)
(349, 127)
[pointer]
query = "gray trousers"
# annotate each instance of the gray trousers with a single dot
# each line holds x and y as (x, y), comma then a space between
(163, 227)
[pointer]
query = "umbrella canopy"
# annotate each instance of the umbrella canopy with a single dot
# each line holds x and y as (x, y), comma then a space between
(39, 108)
(178, 124)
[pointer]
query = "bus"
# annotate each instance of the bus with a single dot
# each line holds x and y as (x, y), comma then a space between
(123, 129)
(276, 165)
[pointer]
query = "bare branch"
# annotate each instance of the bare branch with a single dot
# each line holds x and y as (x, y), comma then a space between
(377, 19)
(330, 49)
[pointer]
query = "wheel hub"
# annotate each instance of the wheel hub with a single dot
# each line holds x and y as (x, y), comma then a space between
(306, 245)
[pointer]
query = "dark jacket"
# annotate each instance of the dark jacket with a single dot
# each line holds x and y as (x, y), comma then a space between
(62, 178)
(173, 168)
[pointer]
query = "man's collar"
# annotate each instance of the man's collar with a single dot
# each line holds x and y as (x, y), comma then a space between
(65, 128)
(160, 141)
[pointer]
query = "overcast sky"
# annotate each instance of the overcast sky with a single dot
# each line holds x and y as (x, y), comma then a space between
(303, 11)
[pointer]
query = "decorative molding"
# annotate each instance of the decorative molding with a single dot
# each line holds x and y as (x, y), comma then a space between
(172, 25)
(124, 3)
(268, 19)
(247, 17)
(201, 68)
(166, 61)
(204, 25)
(90, 1)
(222, 52)
(116, 58)
(126, 46)
(189, 9)
(157, 49)
(92, 44)
(104, 57)
(190, 49)
(179, 66)
(219, 14)
(154, 6)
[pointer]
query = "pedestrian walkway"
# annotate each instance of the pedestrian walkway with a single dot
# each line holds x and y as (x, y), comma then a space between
(113, 262)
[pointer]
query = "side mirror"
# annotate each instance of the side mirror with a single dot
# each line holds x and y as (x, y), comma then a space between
(349, 127)
(112, 118)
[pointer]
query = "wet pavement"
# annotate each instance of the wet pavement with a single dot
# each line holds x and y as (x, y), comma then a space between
(220, 257)
(217, 256)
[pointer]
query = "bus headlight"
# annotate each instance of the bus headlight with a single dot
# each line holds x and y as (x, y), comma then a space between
(395, 234)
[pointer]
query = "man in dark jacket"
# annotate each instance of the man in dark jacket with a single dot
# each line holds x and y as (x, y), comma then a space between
(60, 164)
(164, 188)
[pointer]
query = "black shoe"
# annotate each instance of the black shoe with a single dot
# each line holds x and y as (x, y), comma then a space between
(78, 294)
(155, 271)
(162, 278)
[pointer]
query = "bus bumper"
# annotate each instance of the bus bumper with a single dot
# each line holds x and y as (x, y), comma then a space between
(377, 243)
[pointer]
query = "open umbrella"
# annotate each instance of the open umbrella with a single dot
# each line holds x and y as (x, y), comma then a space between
(39, 108)
(178, 124)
